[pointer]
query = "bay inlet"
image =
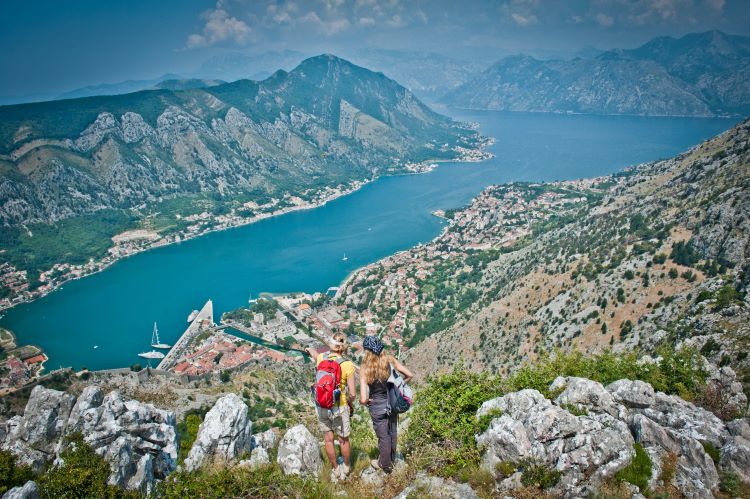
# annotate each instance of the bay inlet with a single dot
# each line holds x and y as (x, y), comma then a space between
(302, 251)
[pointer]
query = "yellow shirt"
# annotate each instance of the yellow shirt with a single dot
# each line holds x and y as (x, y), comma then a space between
(347, 369)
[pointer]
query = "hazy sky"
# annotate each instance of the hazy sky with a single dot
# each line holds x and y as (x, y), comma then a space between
(49, 46)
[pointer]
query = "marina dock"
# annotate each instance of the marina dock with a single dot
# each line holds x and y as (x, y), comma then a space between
(194, 329)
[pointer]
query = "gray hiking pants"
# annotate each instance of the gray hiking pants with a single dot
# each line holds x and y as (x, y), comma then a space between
(386, 429)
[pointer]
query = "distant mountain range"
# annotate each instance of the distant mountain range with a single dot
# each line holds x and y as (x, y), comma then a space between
(325, 122)
(427, 74)
(703, 74)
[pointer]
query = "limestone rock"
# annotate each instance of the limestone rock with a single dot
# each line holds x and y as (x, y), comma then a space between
(266, 440)
(258, 457)
(634, 394)
(373, 477)
(35, 437)
(531, 427)
(735, 456)
(224, 435)
(438, 488)
(584, 393)
(299, 453)
(137, 440)
(29, 490)
(696, 475)
(689, 420)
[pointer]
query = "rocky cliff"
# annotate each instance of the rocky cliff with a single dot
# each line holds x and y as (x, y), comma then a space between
(700, 74)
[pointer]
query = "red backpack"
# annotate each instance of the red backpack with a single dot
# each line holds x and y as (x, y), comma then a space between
(326, 390)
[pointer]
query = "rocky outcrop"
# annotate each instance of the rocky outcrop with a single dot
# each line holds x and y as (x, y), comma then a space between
(137, 440)
(587, 434)
(29, 490)
(35, 436)
(298, 453)
(438, 488)
(587, 449)
(224, 435)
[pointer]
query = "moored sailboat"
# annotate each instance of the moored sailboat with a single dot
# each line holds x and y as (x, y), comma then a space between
(155, 342)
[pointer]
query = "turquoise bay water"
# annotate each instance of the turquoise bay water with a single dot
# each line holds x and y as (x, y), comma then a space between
(303, 251)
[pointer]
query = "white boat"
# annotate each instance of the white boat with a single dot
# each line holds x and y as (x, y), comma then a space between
(345, 258)
(96, 346)
(153, 354)
(155, 340)
(192, 315)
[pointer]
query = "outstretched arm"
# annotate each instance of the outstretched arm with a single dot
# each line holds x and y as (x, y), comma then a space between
(408, 375)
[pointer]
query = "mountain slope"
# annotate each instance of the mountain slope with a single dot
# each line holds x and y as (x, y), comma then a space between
(324, 122)
(661, 255)
(697, 75)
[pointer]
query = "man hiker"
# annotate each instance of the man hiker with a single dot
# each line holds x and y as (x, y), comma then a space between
(334, 393)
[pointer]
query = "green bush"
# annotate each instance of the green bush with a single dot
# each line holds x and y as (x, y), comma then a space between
(726, 296)
(444, 418)
(83, 473)
(538, 475)
(639, 471)
(187, 429)
(265, 481)
(712, 451)
(12, 474)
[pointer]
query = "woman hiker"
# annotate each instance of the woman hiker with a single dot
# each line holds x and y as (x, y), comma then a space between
(373, 392)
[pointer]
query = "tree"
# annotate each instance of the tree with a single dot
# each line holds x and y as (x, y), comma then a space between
(225, 376)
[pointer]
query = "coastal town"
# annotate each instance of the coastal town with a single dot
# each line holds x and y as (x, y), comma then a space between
(19, 366)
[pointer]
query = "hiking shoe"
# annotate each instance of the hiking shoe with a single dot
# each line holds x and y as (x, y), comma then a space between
(336, 475)
(375, 464)
(344, 471)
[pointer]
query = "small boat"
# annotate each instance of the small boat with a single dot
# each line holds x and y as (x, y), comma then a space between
(155, 340)
(345, 258)
(96, 346)
(153, 354)
(192, 315)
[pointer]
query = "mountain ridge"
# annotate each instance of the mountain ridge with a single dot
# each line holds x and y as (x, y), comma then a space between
(701, 74)
(171, 154)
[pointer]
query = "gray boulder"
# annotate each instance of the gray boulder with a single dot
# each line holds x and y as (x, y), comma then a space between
(735, 456)
(633, 394)
(438, 488)
(372, 477)
(685, 418)
(258, 457)
(34, 437)
(137, 440)
(225, 434)
(696, 475)
(585, 394)
(29, 490)
(586, 449)
(299, 453)
(266, 440)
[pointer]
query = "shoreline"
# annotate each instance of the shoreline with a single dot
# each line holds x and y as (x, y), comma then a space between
(422, 167)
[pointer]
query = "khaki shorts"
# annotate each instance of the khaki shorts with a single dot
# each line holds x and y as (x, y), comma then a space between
(335, 420)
